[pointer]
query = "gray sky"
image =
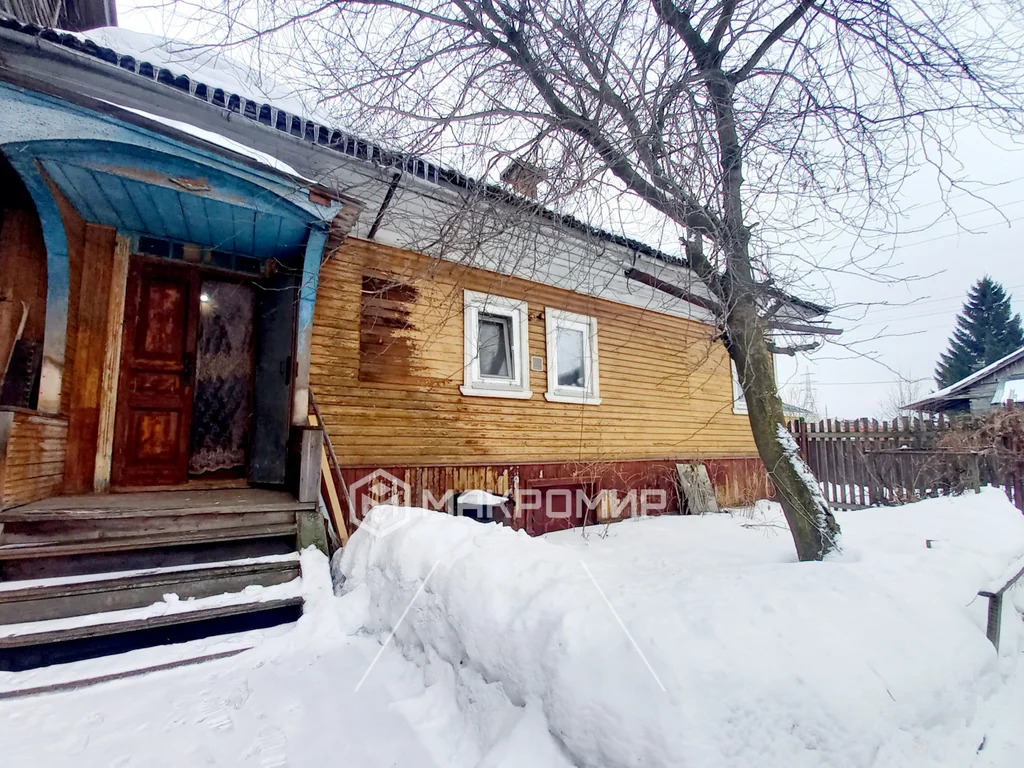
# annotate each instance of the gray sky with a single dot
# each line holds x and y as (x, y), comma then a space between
(905, 337)
(952, 252)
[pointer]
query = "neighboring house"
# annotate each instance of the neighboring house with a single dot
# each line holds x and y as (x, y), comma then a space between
(153, 192)
(789, 410)
(997, 384)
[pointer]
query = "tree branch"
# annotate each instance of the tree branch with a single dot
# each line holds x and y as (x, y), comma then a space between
(773, 37)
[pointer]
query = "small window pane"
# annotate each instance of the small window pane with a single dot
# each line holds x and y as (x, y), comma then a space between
(570, 355)
(494, 347)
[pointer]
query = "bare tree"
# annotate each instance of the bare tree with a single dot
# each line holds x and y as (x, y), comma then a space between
(904, 391)
(743, 125)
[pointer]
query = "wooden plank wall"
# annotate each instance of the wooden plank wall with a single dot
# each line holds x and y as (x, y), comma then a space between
(33, 465)
(666, 387)
(23, 267)
(737, 482)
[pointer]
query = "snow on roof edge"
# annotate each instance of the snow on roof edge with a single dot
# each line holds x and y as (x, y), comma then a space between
(317, 132)
(966, 381)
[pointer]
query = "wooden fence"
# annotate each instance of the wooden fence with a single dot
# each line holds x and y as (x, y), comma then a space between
(866, 463)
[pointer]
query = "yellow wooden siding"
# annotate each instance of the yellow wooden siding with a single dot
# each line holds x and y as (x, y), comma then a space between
(666, 388)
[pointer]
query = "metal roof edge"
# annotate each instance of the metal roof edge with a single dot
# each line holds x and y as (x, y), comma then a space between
(319, 134)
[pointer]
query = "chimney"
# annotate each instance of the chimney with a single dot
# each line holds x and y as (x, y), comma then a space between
(524, 177)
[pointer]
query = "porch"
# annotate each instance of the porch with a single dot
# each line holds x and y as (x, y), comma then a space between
(157, 302)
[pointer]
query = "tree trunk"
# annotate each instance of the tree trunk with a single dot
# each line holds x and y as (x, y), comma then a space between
(815, 531)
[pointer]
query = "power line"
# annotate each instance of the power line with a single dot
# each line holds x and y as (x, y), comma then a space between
(959, 234)
(890, 321)
(959, 298)
(963, 194)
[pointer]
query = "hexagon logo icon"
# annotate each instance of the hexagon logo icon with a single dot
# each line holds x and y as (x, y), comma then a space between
(379, 489)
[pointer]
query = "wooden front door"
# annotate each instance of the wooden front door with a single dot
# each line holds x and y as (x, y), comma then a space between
(154, 401)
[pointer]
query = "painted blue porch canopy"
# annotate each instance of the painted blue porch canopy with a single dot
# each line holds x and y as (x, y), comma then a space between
(139, 191)
(126, 176)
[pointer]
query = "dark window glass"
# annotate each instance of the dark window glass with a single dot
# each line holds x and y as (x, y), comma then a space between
(572, 370)
(494, 346)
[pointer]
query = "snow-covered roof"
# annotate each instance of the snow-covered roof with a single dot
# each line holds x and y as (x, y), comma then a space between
(221, 141)
(954, 389)
(200, 63)
(208, 74)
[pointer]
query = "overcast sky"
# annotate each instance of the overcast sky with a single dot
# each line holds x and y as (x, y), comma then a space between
(906, 337)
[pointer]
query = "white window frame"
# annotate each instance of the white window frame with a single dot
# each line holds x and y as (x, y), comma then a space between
(739, 400)
(591, 394)
(474, 384)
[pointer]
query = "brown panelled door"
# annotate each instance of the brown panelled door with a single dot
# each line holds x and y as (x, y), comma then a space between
(154, 402)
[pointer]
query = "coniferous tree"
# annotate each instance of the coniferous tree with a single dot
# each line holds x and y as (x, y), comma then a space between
(985, 332)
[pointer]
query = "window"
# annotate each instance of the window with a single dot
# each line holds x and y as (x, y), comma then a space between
(572, 358)
(494, 346)
(497, 362)
(739, 402)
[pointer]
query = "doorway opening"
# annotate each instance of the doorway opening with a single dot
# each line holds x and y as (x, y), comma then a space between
(186, 387)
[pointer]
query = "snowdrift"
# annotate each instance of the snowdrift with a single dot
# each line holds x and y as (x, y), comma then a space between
(699, 641)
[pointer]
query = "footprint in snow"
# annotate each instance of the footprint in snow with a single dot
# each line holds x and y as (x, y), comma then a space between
(270, 749)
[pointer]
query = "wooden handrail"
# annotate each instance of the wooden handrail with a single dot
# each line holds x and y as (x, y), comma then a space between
(335, 467)
(995, 594)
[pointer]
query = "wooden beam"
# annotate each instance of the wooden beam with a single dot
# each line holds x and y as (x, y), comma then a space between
(331, 481)
(672, 290)
(111, 364)
(13, 315)
(6, 423)
(86, 380)
(311, 444)
(780, 325)
(793, 349)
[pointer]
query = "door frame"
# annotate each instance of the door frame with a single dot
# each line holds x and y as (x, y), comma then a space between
(138, 261)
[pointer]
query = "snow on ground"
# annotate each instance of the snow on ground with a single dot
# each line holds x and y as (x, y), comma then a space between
(665, 641)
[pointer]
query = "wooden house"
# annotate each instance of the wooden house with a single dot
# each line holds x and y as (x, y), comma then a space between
(182, 263)
(994, 385)
(397, 327)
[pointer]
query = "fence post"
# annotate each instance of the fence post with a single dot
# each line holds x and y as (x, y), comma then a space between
(976, 471)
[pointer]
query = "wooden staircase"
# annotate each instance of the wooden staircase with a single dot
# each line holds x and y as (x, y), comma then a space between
(91, 575)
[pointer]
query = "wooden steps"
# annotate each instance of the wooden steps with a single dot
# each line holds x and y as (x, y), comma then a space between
(46, 546)
(60, 644)
(75, 684)
(45, 599)
(121, 622)
(89, 576)
(32, 513)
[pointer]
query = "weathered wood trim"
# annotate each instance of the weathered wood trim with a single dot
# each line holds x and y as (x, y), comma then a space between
(86, 379)
(6, 423)
(304, 325)
(111, 365)
(311, 447)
